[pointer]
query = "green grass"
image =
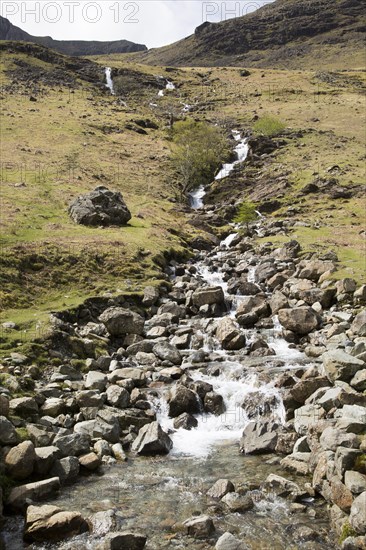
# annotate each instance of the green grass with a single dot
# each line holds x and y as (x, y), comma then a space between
(268, 126)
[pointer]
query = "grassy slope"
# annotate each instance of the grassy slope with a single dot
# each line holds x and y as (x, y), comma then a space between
(75, 154)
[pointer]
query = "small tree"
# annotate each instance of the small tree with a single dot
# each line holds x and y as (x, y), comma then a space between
(246, 213)
(198, 151)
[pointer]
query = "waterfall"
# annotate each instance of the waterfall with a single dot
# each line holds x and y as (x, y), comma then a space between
(109, 80)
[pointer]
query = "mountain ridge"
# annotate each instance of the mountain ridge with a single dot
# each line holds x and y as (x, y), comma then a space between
(8, 31)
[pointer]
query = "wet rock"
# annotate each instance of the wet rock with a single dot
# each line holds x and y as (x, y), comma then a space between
(152, 440)
(277, 301)
(167, 352)
(19, 497)
(90, 461)
(200, 527)
(230, 337)
(208, 296)
(49, 523)
(19, 461)
(66, 469)
(119, 321)
(252, 305)
(183, 400)
(73, 444)
(8, 435)
(300, 320)
(227, 541)
(238, 503)
(281, 487)
(214, 403)
(4, 405)
(100, 207)
(339, 365)
(357, 516)
(258, 438)
(297, 462)
(124, 539)
(118, 452)
(258, 404)
(185, 421)
(220, 489)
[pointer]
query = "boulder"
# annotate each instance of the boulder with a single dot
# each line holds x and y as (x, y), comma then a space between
(238, 504)
(23, 406)
(200, 527)
(119, 321)
(281, 487)
(307, 416)
(297, 462)
(167, 352)
(358, 326)
(357, 516)
(220, 489)
(124, 540)
(19, 461)
(66, 469)
(45, 458)
(213, 403)
(355, 482)
(100, 207)
(185, 421)
(19, 497)
(258, 438)
(118, 397)
(358, 382)
(332, 438)
(339, 365)
(230, 337)
(183, 400)
(227, 541)
(208, 296)
(72, 445)
(151, 296)
(152, 440)
(90, 461)
(49, 523)
(315, 268)
(8, 435)
(300, 320)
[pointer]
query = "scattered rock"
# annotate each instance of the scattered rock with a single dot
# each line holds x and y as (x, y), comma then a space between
(100, 207)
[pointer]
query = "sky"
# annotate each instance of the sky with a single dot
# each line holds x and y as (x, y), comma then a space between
(151, 22)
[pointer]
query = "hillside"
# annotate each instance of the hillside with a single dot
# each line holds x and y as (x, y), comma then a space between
(284, 34)
(8, 31)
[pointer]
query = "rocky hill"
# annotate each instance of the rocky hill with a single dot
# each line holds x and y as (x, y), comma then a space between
(283, 34)
(8, 31)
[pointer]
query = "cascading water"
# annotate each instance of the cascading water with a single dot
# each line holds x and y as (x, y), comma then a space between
(109, 80)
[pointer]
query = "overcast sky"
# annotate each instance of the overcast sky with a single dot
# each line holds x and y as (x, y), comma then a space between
(151, 22)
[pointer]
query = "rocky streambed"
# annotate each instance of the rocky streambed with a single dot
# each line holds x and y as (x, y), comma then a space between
(226, 409)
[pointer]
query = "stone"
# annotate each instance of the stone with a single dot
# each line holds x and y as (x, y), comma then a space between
(354, 543)
(137, 376)
(208, 295)
(354, 412)
(19, 496)
(119, 321)
(100, 207)
(124, 540)
(89, 398)
(95, 380)
(45, 458)
(278, 301)
(297, 462)
(118, 452)
(19, 461)
(355, 482)
(23, 406)
(252, 305)
(339, 365)
(200, 527)
(66, 469)
(220, 489)
(300, 320)
(345, 460)
(358, 382)
(90, 461)
(183, 400)
(185, 421)
(151, 296)
(152, 440)
(307, 416)
(281, 487)
(4, 406)
(357, 516)
(229, 335)
(314, 269)
(53, 407)
(213, 403)
(227, 541)
(72, 445)
(167, 352)
(49, 523)
(332, 438)
(258, 438)
(238, 503)
(118, 397)
(8, 435)
(358, 326)
(340, 495)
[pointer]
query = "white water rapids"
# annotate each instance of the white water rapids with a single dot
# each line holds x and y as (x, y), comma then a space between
(109, 80)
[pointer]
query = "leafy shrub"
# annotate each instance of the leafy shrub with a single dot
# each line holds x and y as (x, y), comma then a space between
(269, 126)
(246, 213)
(199, 149)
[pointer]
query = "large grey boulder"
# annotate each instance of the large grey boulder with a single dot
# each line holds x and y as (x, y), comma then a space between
(167, 352)
(339, 365)
(118, 397)
(227, 541)
(124, 539)
(357, 517)
(152, 440)
(229, 336)
(49, 523)
(358, 326)
(19, 461)
(258, 438)
(314, 269)
(66, 469)
(236, 503)
(355, 482)
(73, 445)
(208, 296)
(119, 321)
(19, 496)
(100, 207)
(281, 487)
(300, 320)
(200, 527)
(95, 380)
(23, 406)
